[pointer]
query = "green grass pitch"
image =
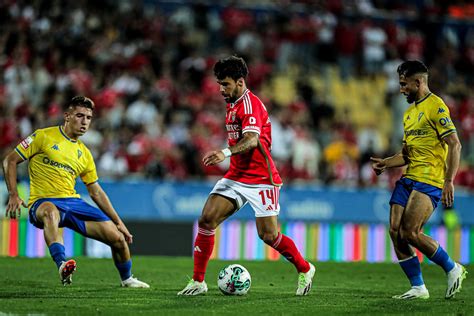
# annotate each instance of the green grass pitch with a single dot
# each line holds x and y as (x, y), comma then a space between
(31, 286)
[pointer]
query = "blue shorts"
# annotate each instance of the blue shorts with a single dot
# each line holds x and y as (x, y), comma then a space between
(73, 211)
(403, 189)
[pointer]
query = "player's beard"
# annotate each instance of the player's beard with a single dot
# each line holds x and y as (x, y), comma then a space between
(411, 97)
(231, 98)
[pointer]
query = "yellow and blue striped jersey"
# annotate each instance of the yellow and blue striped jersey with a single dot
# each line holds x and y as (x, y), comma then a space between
(425, 124)
(55, 161)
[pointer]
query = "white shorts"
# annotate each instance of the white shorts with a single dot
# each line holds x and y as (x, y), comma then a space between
(263, 198)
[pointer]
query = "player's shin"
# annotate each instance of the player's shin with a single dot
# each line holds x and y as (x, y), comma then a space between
(57, 252)
(203, 247)
(287, 248)
(441, 258)
(124, 269)
(412, 269)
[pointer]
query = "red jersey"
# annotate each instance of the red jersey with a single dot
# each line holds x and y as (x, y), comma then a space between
(248, 114)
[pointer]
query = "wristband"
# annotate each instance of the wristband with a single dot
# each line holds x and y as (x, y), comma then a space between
(227, 153)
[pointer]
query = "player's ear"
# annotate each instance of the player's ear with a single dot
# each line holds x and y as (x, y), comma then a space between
(240, 82)
(417, 82)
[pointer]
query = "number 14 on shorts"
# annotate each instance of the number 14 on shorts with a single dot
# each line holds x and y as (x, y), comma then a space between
(270, 197)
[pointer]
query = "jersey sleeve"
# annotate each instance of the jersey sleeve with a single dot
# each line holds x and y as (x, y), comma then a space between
(254, 116)
(31, 145)
(89, 175)
(441, 120)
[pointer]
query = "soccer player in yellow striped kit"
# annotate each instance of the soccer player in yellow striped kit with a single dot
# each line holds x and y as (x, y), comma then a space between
(56, 157)
(431, 151)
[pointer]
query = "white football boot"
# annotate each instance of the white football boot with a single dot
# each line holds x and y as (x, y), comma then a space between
(194, 288)
(455, 278)
(416, 292)
(134, 282)
(305, 281)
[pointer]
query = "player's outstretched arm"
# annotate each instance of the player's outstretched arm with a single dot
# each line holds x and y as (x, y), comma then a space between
(9, 171)
(398, 160)
(99, 196)
(249, 141)
(452, 165)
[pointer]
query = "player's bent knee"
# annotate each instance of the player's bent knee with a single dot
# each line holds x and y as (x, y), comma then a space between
(409, 236)
(394, 233)
(115, 240)
(207, 222)
(268, 238)
(118, 242)
(48, 215)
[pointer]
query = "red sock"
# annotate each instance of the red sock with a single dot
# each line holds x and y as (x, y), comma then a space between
(203, 247)
(287, 248)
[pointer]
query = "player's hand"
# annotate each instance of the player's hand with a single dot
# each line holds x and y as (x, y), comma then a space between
(123, 229)
(378, 164)
(14, 206)
(213, 157)
(447, 197)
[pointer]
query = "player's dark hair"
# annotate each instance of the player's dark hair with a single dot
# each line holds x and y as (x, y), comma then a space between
(81, 101)
(233, 67)
(411, 67)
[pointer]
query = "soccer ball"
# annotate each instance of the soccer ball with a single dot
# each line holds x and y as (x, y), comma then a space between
(234, 280)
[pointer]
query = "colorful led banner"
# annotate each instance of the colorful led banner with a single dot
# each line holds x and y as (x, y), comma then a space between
(236, 239)
(342, 242)
(20, 238)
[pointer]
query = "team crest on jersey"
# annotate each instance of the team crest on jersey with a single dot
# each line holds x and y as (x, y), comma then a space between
(232, 115)
(79, 154)
(420, 116)
(26, 142)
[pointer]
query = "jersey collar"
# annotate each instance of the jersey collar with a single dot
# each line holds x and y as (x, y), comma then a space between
(65, 136)
(426, 97)
(240, 99)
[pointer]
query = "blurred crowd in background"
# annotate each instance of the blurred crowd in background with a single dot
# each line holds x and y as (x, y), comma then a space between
(326, 71)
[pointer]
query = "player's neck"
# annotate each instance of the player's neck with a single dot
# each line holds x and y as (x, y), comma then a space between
(69, 133)
(242, 91)
(422, 94)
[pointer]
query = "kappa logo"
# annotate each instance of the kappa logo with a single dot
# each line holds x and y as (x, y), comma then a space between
(79, 154)
(197, 249)
(55, 147)
(441, 110)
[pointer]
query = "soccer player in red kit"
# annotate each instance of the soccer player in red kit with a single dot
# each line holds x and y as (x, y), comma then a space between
(252, 178)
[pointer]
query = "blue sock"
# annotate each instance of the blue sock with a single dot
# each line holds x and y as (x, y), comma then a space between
(412, 269)
(442, 259)
(57, 252)
(125, 269)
